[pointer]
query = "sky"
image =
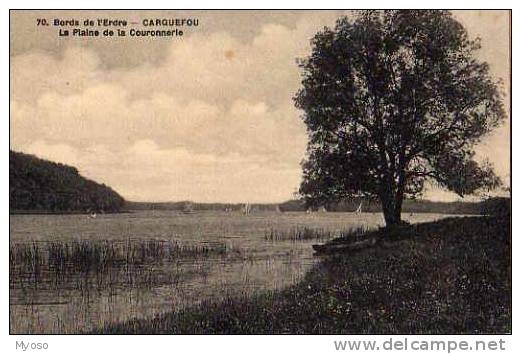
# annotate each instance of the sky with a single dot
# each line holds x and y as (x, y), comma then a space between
(207, 117)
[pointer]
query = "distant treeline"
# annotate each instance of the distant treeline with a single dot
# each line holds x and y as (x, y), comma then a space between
(409, 206)
(183, 205)
(490, 206)
(37, 185)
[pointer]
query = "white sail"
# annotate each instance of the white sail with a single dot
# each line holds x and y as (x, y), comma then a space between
(188, 208)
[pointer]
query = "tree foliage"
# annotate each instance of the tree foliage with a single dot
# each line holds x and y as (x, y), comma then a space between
(392, 99)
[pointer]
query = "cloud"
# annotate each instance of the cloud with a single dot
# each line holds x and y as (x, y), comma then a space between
(37, 73)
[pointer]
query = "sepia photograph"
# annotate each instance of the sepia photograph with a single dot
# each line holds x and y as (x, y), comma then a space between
(260, 172)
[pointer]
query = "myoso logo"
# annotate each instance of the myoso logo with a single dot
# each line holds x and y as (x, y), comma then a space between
(24, 346)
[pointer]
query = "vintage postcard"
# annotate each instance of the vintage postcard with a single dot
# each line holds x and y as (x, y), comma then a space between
(260, 172)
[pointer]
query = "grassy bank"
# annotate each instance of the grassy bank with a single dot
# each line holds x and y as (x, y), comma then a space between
(450, 276)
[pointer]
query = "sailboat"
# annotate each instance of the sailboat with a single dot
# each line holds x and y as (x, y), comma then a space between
(359, 209)
(188, 208)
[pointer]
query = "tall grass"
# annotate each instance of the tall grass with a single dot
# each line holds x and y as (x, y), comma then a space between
(353, 234)
(300, 233)
(99, 255)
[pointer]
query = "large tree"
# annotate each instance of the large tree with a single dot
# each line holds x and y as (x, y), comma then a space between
(392, 99)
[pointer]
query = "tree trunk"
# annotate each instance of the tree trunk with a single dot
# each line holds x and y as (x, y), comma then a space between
(392, 209)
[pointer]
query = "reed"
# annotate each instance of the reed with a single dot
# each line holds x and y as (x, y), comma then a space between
(300, 233)
(99, 255)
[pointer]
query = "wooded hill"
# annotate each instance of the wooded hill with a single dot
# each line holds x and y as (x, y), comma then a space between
(37, 185)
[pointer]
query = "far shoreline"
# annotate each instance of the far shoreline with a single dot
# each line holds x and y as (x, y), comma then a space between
(132, 211)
